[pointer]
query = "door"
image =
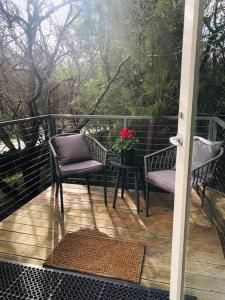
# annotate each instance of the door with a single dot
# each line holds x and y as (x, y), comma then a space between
(187, 108)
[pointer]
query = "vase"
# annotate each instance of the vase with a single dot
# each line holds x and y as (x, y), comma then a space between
(127, 156)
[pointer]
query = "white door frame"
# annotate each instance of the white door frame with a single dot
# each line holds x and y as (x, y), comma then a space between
(187, 110)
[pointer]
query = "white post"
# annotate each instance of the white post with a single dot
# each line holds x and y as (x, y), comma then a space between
(188, 92)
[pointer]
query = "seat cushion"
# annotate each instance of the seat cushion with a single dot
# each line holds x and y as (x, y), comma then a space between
(163, 179)
(71, 148)
(84, 167)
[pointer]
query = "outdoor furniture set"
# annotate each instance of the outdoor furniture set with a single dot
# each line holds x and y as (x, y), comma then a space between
(81, 154)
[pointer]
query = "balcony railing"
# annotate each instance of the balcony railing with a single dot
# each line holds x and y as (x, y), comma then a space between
(26, 163)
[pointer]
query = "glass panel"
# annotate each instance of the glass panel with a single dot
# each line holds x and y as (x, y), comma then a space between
(205, 264)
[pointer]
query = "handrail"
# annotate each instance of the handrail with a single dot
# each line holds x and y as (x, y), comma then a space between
(17, 121)
(219, 122)
(121, 117)
(114, 117)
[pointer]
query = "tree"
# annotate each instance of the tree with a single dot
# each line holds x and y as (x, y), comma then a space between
(30, 50)
(212, 69)
(28, 60)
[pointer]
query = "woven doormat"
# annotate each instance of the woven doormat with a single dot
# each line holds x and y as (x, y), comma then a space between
(98, 255)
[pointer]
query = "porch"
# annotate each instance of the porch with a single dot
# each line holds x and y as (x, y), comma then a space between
(30, 233)
(32, 225)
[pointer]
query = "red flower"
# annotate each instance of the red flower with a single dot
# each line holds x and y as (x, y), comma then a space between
(127, 133)
(130, 133)
(123, 132)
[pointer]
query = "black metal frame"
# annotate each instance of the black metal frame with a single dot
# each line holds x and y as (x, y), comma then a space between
(98, 152)
(122, 172)
(165, 159)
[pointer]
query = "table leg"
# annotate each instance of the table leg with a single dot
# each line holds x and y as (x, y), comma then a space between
(137, 190)
(126, 179)
(147, 197)
(88, 185)
(123, 182)
(116, 187)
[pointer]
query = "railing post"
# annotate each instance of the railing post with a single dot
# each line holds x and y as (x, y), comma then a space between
(51, 133)
(210, 131)
(214, 130)
(125, 122)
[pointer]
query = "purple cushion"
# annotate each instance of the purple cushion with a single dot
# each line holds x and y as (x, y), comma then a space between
(164, 179)
(71, 148)
(88, 166)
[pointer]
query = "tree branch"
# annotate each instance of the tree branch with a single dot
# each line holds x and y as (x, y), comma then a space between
(101, 96)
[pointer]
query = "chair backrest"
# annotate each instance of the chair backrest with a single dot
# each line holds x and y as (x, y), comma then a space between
(204, 159)
(203, 151)
(71, 148)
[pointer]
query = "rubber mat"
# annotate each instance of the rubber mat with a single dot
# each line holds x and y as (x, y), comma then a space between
(19, 282)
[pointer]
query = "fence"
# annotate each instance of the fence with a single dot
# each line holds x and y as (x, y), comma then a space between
(25, 161)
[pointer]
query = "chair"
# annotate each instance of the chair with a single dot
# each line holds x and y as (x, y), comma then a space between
(77, 154)
(160, 166)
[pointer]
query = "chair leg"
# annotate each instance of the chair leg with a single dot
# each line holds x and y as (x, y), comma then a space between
(137, 190)
(116, 187)
(123, 182)
(203, 194)
(88, 185)
(57, 187)
(61, 196)
(143, 183)
(147, 197)
(105, 187)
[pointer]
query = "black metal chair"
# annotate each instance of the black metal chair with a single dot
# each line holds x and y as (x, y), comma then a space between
(160, 168)
(77, 154)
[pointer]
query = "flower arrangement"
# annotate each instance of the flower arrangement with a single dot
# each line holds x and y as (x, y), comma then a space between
(126, 141)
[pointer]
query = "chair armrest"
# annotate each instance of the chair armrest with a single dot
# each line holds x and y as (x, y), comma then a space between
(164, 159)
(55, 156)
(52, 148)
(202, 173)
(98, 151)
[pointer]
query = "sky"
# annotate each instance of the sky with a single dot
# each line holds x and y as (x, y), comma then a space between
(57, 16)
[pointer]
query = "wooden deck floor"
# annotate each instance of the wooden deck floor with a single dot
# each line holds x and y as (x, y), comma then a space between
(31, 233)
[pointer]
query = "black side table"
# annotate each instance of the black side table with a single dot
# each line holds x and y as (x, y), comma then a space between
(121, 174)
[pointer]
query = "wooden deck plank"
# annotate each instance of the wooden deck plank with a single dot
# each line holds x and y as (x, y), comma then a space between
(30, 234)
(200, 294)
(24, 250)
(21, 259)
(192, 280)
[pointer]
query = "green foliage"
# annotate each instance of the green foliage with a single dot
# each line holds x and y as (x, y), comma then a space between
(212, 68)
(124, 144)
(103, 36)
(18, 177)
(109, 31)
(152, 86)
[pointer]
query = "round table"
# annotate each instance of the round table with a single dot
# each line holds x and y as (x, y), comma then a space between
(122, 170)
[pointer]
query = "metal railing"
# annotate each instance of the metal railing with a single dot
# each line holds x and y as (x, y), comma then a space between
(25, 160)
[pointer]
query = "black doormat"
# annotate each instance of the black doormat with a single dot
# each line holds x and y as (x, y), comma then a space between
(19, 282)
